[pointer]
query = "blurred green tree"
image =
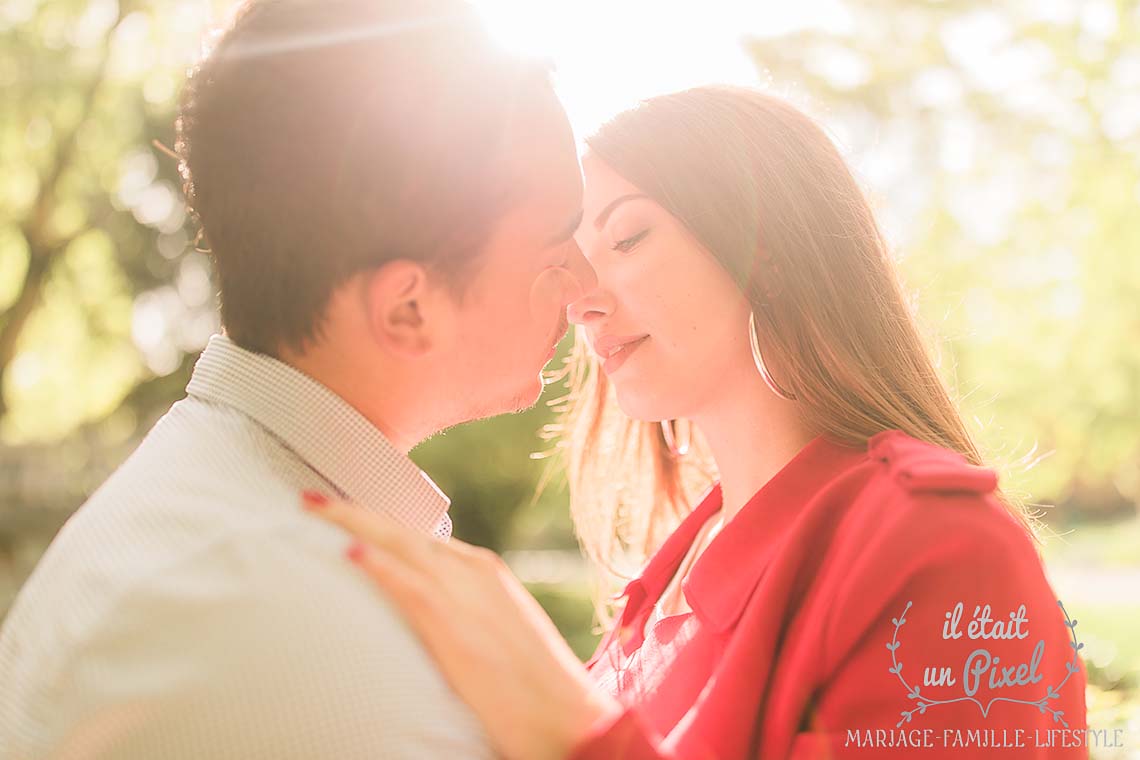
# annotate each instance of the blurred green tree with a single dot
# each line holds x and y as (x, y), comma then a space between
(1007, 138)
(103, 301)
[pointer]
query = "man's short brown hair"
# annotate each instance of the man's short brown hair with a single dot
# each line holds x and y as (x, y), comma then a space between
(322, 138)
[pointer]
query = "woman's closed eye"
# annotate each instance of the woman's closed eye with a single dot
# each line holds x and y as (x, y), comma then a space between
(626, 244)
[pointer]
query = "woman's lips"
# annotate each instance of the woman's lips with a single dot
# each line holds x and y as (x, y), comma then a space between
(617, 358)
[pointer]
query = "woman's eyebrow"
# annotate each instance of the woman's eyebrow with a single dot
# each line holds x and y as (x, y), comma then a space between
(567, 231)
(602, 217)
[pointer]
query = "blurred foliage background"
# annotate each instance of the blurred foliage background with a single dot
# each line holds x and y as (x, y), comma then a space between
(1001, 143)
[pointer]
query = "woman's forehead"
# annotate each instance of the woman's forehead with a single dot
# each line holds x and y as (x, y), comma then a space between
(602, 180)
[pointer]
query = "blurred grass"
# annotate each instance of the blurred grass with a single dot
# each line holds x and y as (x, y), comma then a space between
(1113, 639)
(572, 611)
(1095, 566)
(1103, 544)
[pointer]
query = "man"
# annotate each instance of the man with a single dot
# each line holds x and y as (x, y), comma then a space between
(389, 202)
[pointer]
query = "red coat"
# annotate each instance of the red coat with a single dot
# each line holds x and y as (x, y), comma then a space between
(846, 564)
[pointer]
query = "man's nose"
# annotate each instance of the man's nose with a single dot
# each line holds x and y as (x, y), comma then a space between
(585, 278)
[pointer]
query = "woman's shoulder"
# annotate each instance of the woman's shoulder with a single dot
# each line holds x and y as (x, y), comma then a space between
(911, 481)
(928, 542)
(918, 468)
(930, 528)
(921, 504)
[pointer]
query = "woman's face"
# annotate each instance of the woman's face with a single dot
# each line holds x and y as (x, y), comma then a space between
(669, 325)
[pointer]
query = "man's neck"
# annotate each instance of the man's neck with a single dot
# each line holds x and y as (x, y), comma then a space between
(390, 408)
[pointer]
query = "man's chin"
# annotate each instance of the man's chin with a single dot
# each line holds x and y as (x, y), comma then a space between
(523, 399)
(528, 396)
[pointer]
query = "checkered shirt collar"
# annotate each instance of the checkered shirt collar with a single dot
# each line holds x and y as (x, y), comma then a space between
(324, 431)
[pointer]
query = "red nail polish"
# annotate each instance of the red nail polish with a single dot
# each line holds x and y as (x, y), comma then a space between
(314, 499)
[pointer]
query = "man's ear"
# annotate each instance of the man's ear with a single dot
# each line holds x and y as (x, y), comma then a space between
(402, 304)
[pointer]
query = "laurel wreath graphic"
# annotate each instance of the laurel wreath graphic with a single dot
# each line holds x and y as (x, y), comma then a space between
(922, 703)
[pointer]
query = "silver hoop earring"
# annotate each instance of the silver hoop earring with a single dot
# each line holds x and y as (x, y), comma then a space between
(758, 358)
(671, 441)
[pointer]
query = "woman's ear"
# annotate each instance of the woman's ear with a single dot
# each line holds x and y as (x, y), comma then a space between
(403, 308)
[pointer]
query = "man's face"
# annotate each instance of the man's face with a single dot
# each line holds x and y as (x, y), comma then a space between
(514, 311)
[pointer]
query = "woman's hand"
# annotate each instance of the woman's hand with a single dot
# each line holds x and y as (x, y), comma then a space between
(491, 640)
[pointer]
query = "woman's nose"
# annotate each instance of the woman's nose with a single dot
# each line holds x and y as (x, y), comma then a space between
(592, 302)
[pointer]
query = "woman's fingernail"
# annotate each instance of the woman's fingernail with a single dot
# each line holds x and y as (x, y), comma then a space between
(355, 551)
(314, 499)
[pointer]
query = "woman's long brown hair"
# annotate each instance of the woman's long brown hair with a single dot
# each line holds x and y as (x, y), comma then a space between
(764, 190)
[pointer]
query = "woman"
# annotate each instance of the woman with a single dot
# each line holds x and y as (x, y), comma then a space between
(853, 583)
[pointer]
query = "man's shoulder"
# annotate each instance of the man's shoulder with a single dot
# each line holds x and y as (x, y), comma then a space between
(203, 472)
(272, 576)
(203, 480)
(250, 616)
(282, 619)
(199, 449)
(266, 638)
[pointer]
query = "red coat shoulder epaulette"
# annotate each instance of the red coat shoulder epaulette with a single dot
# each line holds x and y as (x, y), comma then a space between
(920, 467)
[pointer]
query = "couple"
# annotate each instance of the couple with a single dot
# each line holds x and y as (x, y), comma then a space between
(401, 232)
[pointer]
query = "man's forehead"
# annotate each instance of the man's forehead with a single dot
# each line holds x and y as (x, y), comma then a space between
(546, 174)
(554, 182)
(544, 160)
(543, 204)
